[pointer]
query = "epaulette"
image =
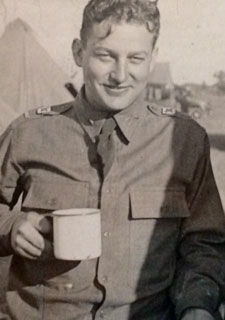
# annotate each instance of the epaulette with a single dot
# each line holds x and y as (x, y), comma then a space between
(48, 111)
(167, 111)
(183, 115)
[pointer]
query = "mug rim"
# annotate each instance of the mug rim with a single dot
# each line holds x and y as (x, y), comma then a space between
(76, 212)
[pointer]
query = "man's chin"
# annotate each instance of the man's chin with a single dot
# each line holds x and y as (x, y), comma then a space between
(116, 105)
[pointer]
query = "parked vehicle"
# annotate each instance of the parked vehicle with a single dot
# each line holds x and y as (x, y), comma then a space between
(191, 104)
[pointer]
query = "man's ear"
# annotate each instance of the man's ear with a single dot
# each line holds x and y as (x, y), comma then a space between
(77, 50)
(153, 59)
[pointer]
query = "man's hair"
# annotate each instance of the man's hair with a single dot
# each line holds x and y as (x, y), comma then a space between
(118, 11)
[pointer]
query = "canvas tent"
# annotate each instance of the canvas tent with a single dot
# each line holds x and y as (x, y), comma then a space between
(29, 78)
(7, 115)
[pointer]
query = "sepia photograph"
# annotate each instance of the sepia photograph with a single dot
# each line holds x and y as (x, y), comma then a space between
(112, 160)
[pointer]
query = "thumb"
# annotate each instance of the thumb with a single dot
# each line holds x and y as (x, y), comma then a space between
(45, 225)
(40, 222)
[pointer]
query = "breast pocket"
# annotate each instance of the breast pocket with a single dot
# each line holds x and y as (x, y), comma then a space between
(54, 196)
(155, 221)
(43, 197)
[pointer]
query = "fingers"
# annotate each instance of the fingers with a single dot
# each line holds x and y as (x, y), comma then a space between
(30, 235)
(26, 249)
(26, 238)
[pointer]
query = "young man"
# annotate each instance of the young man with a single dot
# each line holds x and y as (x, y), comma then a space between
(163, 227)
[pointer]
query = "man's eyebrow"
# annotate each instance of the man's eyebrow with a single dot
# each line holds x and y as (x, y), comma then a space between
(102, 48)
(136, 53)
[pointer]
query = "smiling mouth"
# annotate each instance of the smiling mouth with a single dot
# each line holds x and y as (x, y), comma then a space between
(116, 89)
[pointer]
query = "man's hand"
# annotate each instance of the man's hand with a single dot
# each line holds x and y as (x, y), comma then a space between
(197, 314)
(26, 236)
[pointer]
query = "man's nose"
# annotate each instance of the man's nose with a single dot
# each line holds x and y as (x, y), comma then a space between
(119, 72)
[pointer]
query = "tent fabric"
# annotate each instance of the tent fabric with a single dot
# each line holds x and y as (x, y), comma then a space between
(7, 115)
(29, 78)
(161, 75)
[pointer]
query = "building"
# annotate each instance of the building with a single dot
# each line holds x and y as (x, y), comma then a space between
(160, 84)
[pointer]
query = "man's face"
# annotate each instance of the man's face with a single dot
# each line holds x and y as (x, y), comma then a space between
(116, 67)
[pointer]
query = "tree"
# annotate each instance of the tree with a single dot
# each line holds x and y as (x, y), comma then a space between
(220, 76)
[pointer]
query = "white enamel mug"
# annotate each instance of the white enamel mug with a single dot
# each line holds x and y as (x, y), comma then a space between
(77, 234)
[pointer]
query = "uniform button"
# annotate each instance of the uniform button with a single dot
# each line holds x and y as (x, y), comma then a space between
(105, 279)
(107, 234)
(68, 286)
(107, 190)
(102, 315)
(51, 201)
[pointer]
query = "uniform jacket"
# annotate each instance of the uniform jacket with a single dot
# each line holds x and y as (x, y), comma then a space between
(163, 227)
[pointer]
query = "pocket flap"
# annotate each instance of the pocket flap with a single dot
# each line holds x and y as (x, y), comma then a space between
(147, 204)
(54, 196)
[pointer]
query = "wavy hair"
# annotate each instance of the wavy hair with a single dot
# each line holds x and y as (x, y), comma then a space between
(118, 11)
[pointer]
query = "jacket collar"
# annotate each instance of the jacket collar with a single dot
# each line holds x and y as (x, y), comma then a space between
(128, 118)
(90, 120)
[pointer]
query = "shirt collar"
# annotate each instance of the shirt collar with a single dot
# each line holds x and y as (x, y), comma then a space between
(92, 120)
(128, 118)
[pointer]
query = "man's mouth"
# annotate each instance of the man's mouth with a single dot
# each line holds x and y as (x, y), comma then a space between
(111, 89)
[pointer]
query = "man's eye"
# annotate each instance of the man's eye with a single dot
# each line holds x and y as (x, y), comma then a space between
(104, 56)
(136, 59)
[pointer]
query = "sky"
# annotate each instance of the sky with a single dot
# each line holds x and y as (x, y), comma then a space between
(192, 36)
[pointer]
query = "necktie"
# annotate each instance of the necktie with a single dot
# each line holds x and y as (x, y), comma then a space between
(105, 145)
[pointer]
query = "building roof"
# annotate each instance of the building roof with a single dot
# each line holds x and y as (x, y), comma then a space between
(161, 75)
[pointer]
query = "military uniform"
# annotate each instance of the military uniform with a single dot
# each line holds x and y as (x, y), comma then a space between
(163, 227)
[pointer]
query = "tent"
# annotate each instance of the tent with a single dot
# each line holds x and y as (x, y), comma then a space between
(7, 115)
(29, 78)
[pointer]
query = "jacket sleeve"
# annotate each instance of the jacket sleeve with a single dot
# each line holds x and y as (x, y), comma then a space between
(10, 189)
(199, 281)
